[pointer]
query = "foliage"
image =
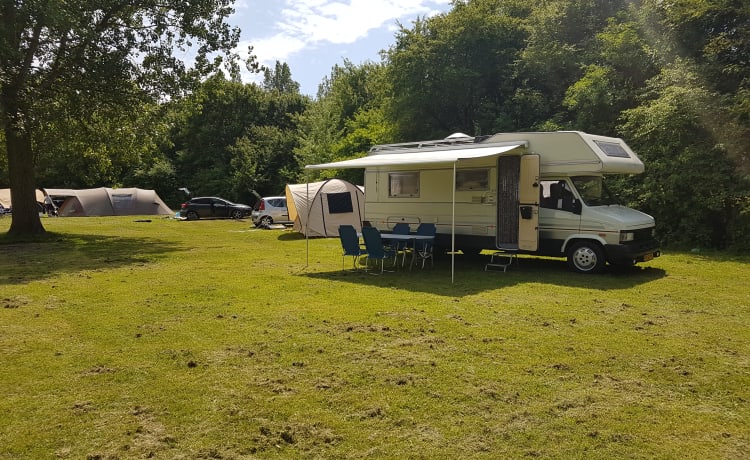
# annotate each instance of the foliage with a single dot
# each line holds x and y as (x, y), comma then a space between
(692, 187)
(237, 137)
(452, 73)
(346, 120)
(100, 147)
(280, 79)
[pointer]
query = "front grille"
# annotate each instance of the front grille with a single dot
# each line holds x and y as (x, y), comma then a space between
(643, 240)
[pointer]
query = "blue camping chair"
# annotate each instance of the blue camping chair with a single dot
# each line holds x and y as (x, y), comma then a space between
(423, 249)
(375, 249)
(350, 245)
(401, 228)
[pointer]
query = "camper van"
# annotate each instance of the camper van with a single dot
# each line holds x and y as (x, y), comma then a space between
(533, 193)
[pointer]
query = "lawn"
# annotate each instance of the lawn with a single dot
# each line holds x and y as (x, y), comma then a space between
(123, 338)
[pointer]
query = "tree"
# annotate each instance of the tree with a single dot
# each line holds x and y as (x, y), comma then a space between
(280, 79)
(106, 53)
(453, 72)
(236, 137)
(691, 186)
(347, 118)
(624, 63)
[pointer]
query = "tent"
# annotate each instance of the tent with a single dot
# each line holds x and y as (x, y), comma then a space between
(5, 197)
(318, 208)
(108, 202)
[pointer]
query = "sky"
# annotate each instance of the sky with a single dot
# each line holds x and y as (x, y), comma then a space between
(312, 36)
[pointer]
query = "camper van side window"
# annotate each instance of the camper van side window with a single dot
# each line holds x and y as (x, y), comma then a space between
(403, 184)
(472, 179)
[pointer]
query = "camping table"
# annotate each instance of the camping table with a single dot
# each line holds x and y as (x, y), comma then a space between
(409, 238)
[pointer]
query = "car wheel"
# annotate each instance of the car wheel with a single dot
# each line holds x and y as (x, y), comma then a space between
(586, 257)
(237, 214)
(192, 215)
(266, 221)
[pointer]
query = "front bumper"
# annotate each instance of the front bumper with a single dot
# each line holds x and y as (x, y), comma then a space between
(628, 254)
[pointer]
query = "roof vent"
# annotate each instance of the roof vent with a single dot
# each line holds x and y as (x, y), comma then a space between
(459, 136)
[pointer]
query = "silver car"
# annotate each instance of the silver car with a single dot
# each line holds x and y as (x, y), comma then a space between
(270, 210)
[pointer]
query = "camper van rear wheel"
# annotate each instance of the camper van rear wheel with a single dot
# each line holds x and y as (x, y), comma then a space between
(586, 257)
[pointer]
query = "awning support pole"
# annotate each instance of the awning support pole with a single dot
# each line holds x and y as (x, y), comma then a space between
(453, 224)
(307, 237)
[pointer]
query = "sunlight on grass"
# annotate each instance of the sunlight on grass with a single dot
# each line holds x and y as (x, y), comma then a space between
(211, 339)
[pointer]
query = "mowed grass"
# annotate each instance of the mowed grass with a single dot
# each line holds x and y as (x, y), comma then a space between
(210, 339)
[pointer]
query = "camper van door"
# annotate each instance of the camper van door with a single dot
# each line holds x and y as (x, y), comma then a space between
(528, 207)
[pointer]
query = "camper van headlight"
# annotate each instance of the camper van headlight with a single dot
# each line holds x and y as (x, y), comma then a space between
(626, 237)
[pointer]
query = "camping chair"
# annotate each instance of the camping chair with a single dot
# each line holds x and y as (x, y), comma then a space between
(375, 248)
(350, 245)
(423, 249)
(401, 228)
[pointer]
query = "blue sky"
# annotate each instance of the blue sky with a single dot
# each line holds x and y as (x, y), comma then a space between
(311, 36)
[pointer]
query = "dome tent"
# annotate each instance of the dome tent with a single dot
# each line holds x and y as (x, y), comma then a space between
(318, 208)
(109, 202)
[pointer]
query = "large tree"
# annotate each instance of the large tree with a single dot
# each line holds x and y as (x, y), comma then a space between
(96, 53)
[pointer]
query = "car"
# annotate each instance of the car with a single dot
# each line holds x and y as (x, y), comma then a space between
(271, 210)
(211, 207)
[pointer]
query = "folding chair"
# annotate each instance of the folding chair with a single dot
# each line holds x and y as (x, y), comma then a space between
(375, 249)
(350, 245)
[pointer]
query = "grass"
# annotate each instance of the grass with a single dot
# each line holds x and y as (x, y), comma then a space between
(210, 339)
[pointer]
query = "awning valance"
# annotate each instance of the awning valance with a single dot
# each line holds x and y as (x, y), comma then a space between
(418, 158)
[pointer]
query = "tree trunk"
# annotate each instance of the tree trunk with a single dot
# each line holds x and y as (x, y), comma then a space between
(25, 217)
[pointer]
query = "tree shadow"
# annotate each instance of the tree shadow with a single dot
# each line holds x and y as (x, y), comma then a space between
(470, 276)
(55, 254)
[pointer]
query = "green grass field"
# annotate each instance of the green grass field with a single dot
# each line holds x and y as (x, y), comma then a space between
(210, 339)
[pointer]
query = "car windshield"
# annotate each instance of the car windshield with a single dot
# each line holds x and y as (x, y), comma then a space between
(593, 191)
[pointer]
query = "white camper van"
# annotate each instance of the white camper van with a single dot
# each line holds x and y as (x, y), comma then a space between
(535, 193)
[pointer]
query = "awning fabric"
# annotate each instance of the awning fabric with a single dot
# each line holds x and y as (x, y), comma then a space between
(417, 158)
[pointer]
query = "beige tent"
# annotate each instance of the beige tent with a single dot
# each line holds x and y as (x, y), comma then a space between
(109, 202)
(5, 197)
(318, 208)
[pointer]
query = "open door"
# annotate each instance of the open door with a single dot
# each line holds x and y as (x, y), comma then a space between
(528, 204)
(518, 202)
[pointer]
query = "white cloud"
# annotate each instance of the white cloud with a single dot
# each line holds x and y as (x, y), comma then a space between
(278, 47)
(312, 35)
(311, 23)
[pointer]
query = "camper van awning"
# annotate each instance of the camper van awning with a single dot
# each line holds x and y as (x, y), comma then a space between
(418, 158)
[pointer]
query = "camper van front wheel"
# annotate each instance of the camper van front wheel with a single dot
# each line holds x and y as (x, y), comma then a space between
(586, 257)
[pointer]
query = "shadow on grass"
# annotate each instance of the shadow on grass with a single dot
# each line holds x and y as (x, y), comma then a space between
(470, 276)
(23, 262)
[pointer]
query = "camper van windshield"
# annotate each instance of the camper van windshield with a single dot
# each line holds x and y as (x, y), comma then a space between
(592, 190)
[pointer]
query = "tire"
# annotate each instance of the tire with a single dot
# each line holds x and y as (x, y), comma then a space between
(192, 215)
(586, 257)
(237, 214)
(265, 222)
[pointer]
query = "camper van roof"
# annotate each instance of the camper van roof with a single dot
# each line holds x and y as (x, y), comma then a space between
(563, 152)
(457, 139)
